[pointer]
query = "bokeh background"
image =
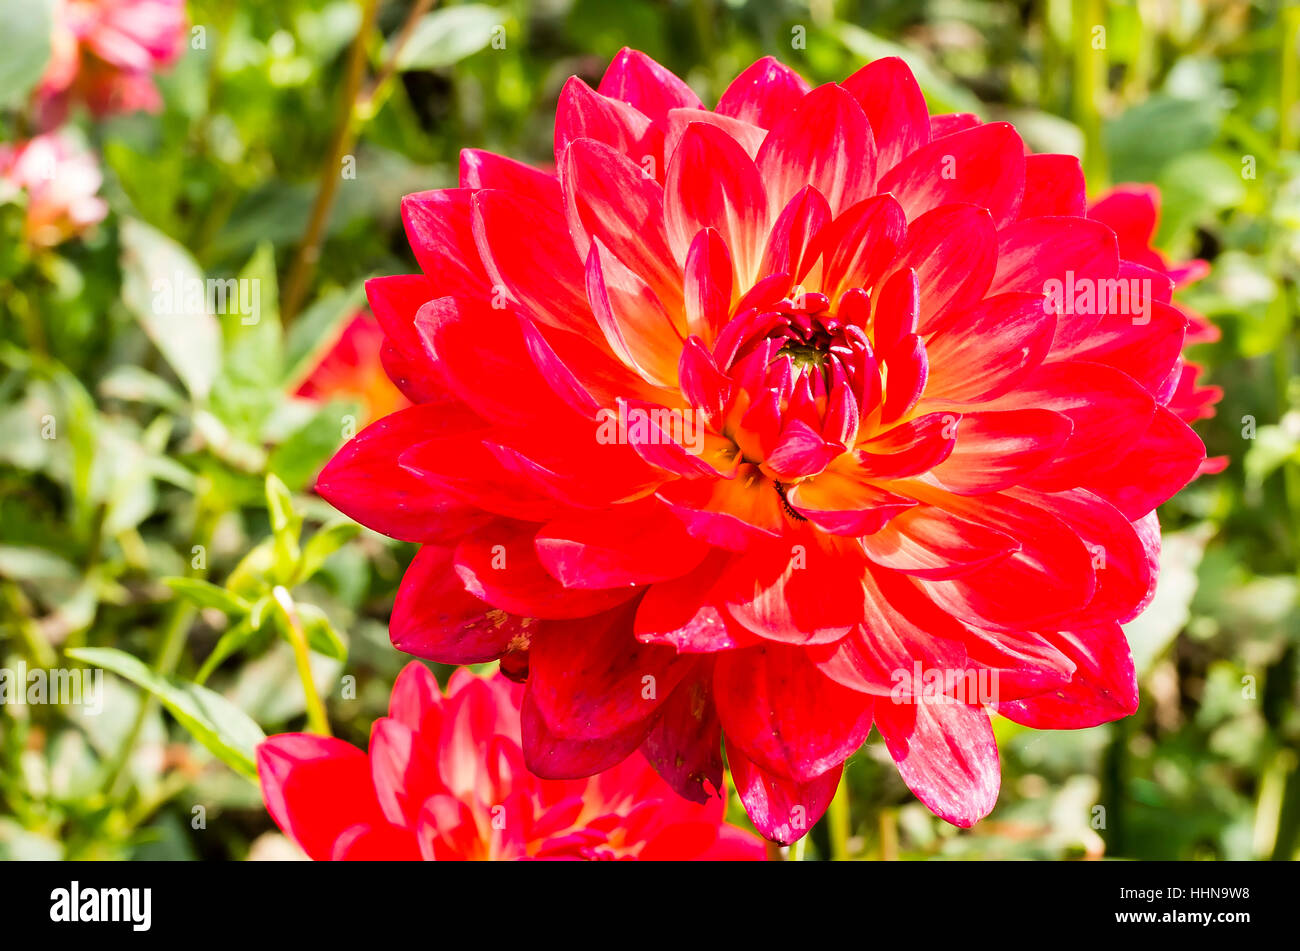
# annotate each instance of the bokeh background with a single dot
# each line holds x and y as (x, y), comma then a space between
(165, 430)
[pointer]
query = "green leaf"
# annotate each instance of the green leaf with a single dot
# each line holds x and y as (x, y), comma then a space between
(449, 35)
(329, 539)
(208, 595)
(164, 288)
(321, 635)
(286, 525)
(26, 26)
(224, 729)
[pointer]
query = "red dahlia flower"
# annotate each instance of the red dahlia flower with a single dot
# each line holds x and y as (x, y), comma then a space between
(352, 368)
(445, 779)
(746, 417)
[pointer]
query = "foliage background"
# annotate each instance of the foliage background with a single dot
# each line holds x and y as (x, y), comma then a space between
(166, 431)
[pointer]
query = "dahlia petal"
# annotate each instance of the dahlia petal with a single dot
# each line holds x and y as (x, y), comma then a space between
(415, 697)
(982, 166)
(1053, 186)
(901, 627)
(860, 243)
(609, 198)
(1049, 577)
(927, 542)
(1106, 406)
(634, 544)
(582, 113)
(791, 248)
(764, 93)
(685, 613)
(585, 376)
(784, 714)
(589, 678)
(953, 250)
(499, 565)
(1103, 688)
(535, 267)
(685, 745)
(439, 227)
(436, 618)
(460, 468)
(293, 767)
(483, 360)
(844, 503)
(395, 301)
(1021, 664)
(1168, 455)
(665, 438)
(946, 754)
(895, 108)
(404, 771)
(1147, 350)
(799, 452)
(480, 169)
(365, 482)
(708, 285)
(951, 123)
(794, 591)
(750, 137)
(1036, 251)
(998, 449)
(729, 513)
(781, 809)
(1014, 333)
(713, 183)
(907, 449)
(634, 78)
(824, 142)
(634, 321)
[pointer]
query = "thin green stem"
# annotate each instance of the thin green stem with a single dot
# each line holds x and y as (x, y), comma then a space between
(837, 818)
(1089, 16)
(317, 718)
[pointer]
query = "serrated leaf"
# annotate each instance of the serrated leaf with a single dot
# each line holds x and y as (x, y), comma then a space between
(225, 730)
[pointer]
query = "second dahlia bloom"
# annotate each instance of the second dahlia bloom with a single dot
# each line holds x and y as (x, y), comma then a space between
(1133, 213)
(445, 779)
(352, 368)
(105, 53)
(61, 181)
(761, 425)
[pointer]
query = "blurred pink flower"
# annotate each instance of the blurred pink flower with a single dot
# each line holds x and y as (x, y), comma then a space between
(60, 179)
(105, 52)
(445, 779)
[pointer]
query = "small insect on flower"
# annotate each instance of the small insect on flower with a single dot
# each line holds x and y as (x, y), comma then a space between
(445, 779)
(911, 452)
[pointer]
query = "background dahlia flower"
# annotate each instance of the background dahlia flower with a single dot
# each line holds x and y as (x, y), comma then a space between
(105, 52)
(352, 368)
(61, 181)
(1133, 213)
(743, 418)
(445, 779)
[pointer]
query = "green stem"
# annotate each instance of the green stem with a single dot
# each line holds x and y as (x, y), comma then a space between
(317, 718)
(837, 818)
(1089, 88)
